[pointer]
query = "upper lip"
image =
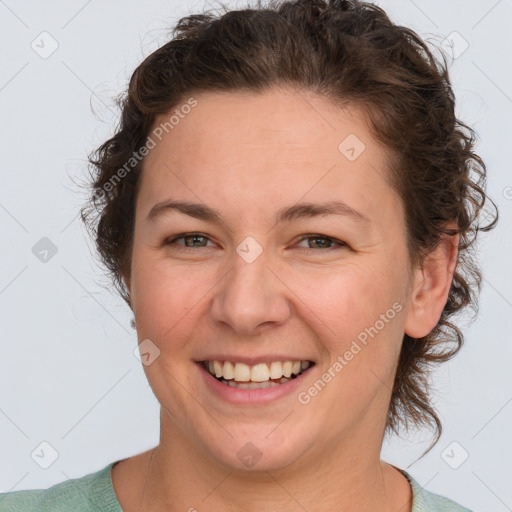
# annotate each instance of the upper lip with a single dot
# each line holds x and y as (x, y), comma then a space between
(253, 360)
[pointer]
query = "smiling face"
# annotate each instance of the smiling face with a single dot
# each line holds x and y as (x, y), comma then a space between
(248, 288)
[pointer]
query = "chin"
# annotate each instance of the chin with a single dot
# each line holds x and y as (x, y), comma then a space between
(255, 453)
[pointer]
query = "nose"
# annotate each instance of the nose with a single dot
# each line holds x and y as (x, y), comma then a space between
(251, 297)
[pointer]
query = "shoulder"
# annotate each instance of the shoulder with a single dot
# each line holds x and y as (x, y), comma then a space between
(89, 493)
(425, 501)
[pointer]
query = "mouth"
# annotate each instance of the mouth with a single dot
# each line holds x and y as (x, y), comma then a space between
(258, 376)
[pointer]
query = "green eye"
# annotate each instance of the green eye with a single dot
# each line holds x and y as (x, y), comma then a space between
(192, 240)
(321, 241)
(198, 240)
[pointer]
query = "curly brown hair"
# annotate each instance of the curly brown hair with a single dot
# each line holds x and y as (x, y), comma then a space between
(349, 52)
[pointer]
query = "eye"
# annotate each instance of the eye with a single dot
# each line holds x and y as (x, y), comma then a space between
(198, 240)
(321, 241)
(192, 240)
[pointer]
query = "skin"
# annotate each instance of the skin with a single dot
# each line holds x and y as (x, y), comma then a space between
(247, 155)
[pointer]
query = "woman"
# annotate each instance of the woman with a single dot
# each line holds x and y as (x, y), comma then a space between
(287, 208)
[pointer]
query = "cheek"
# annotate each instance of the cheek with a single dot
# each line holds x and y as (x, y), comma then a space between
(361, 328)
(165, 299)
(348, 299)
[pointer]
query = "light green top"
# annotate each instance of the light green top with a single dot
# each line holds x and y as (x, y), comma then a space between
(95, 493)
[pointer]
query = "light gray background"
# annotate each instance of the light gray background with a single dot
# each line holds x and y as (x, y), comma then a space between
(68, 375)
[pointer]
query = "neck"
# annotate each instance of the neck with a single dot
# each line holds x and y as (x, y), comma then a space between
(178, 475)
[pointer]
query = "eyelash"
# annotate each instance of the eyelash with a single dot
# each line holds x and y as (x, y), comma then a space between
(340, 243)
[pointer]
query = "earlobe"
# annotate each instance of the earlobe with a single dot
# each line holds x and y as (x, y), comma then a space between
(432, 283)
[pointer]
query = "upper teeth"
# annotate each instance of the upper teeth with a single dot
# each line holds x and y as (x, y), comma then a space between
(262, 372)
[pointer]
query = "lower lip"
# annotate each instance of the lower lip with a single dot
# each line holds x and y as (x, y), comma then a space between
(239, 396)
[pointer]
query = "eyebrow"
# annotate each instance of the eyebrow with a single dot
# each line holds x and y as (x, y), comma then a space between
(286, 214)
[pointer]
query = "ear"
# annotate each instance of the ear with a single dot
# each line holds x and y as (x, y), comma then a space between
(431, 285)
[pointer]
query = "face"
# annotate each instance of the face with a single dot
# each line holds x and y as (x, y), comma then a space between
(252, 284)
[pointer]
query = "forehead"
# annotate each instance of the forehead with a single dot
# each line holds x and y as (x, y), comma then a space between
(271, 148)
(294, 123)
